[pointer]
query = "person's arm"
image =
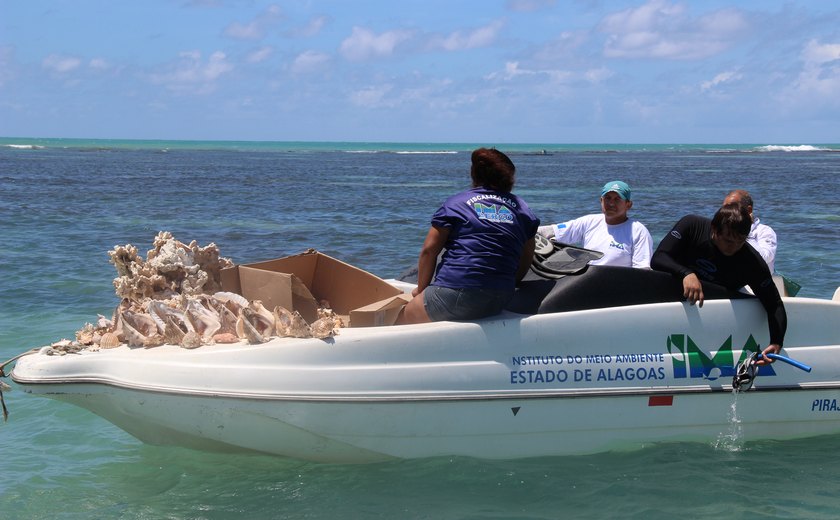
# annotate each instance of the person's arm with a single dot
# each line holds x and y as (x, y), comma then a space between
(642, 248)
(768, 294)
(569, 232)
(546, 231)
(665, 259)
(777, 323)
(765, 244)
(526, 259)
(432, 246)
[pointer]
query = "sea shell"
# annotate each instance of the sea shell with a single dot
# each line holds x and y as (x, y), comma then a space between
(191, 340)
(204, 321)
(227, 320)
(155, 340)
(232, 301)
(129, 334)
(246, 327)
(159, 310)
(109, 340)
(104, 323)
(290, 324)
(325, 327)
(137, 329)
(225, 337)
(174, 331)
(140, 321)
(86, 334)
(263, 318)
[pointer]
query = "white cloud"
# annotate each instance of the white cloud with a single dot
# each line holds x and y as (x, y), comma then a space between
(597, 75)
(260, 55)
(98, 64)
(216, 66)
(364, 44)
(481, 37)
(61, 64)
(660, 29)
(557, 76)
(249, 31)
(720, 79)
(819, 53)
(372, 97)
(564, 47)
(312, 28)
(255, 29)
(638, 112)
(432, 95)
(821, 70)
(309, 61)
(192, 73)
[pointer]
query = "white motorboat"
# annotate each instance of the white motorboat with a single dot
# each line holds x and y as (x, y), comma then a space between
(606, 359)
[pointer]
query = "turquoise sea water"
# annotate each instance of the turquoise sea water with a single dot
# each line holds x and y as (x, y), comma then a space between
(66, 202)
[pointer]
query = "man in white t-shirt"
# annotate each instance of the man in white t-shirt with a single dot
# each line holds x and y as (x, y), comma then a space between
(623, 240)
(761, 237)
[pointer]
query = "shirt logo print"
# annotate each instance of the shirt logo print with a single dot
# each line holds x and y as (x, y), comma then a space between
(493, 213)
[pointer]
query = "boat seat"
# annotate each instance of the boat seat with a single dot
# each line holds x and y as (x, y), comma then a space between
(600, 286)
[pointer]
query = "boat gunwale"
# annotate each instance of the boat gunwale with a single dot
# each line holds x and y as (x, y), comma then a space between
(398, 397)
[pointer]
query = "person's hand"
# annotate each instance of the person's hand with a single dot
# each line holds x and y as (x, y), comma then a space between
(693, 289)
(771, 349)
(417, 290)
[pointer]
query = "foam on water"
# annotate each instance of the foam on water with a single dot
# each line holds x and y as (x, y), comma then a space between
(789, 148)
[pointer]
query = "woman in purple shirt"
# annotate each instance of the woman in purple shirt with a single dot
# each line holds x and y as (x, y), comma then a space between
(488, 234)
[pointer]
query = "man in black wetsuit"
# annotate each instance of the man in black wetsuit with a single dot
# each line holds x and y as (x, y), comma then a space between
(716, 251)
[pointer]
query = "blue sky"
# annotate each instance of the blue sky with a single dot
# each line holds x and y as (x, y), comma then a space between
(502, 71)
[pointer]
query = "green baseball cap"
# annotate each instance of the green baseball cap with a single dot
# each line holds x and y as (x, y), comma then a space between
(620, 187)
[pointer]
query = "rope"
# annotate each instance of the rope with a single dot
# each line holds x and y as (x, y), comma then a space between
(3, 365)
(3, 374)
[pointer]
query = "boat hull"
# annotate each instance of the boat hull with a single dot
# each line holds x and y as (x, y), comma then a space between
(510, 387)
(362, 432)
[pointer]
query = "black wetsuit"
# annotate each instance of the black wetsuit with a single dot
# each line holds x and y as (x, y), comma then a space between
(688, 248)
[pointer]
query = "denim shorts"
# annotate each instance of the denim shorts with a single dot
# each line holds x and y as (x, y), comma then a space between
(468, 303)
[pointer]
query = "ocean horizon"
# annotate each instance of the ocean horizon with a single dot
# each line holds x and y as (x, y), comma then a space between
(398, 147)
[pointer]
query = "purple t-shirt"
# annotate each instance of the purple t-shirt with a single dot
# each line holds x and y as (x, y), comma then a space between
(487, 230)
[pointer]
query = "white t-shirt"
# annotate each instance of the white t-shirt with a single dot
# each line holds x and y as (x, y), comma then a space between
(627, 244)
(763, 240)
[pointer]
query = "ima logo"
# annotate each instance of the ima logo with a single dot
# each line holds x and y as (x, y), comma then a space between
(493, 212)
(690, 361)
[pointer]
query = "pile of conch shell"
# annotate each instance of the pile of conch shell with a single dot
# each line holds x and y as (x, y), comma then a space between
(174, 297)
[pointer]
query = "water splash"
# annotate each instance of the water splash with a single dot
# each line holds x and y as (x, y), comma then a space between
(732, 440)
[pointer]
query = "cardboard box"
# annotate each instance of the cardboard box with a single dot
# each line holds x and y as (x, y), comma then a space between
(383, 312)
(301, 281)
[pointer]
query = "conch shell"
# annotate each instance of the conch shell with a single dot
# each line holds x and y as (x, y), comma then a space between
(137, 329)
(323, 328)
(203, 321)
(247, 327)
(290, 324)
(174, 330)
(255, 323)
(191, 340)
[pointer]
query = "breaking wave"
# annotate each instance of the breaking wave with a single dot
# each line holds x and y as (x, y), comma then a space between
(24, 146)
(788, 148)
